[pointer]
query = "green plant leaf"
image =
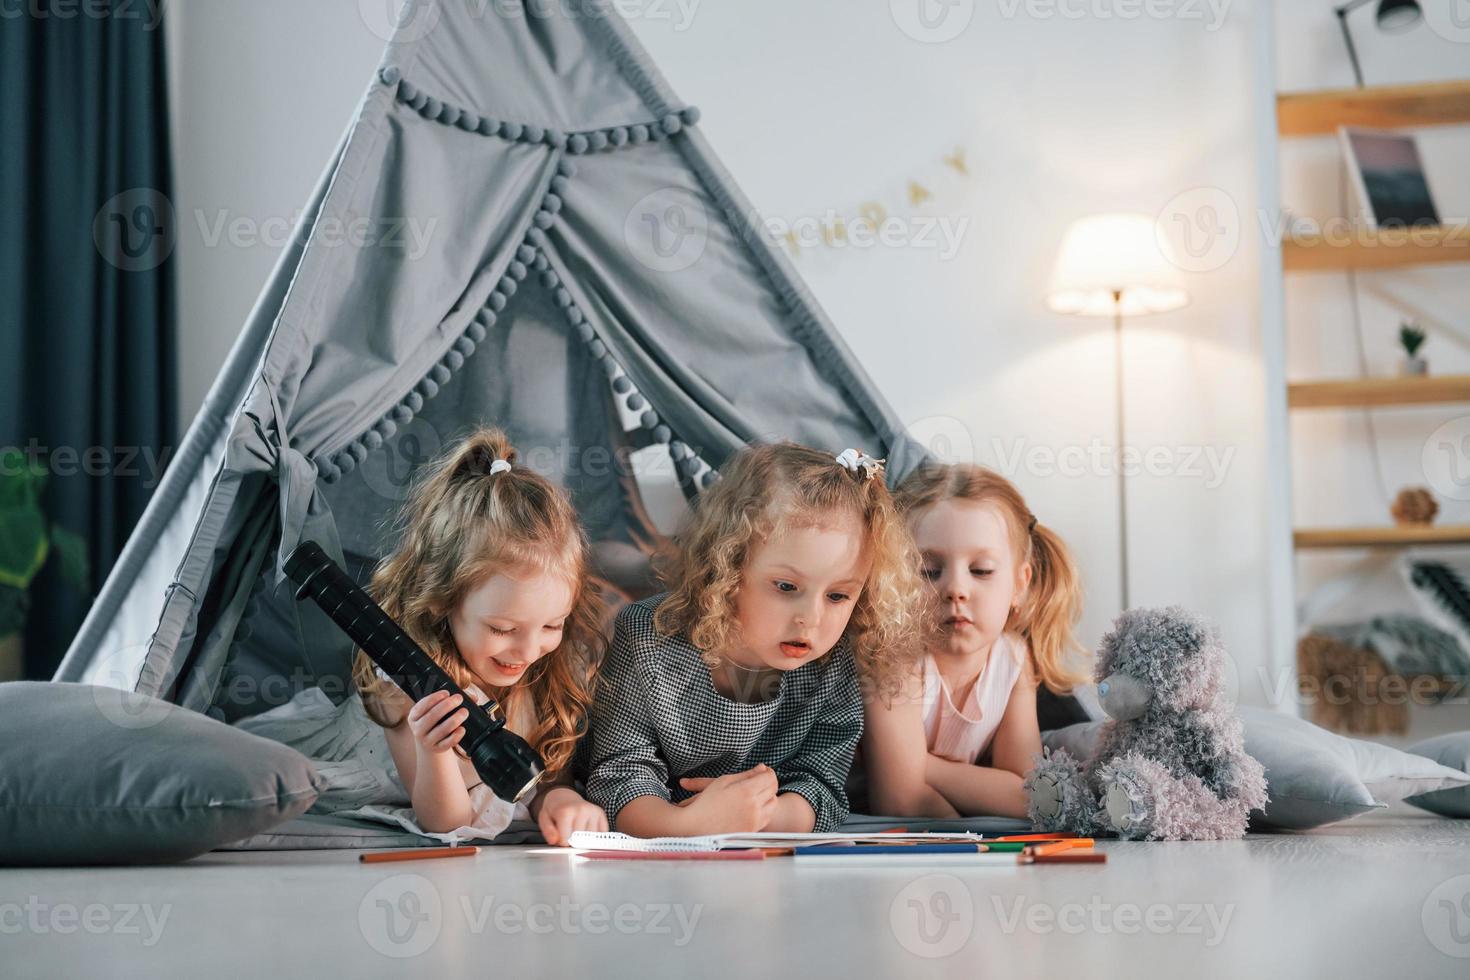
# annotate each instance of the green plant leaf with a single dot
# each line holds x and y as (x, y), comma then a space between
(13, 606)
(23, 546)
(71, 550)
(21, 481)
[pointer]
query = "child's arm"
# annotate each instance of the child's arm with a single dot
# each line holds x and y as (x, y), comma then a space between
(422, 745)
(560, 811)
(812, 791)
(895, 753)
(741, 802)
(995, 789)
(628, 777)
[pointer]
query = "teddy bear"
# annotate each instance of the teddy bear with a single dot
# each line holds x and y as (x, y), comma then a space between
(1170, 760)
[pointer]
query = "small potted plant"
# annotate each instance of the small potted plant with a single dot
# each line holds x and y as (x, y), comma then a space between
(1411, 336)
(26, 542)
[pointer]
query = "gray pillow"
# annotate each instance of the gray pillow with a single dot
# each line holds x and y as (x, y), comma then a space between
(1313, 776)
(94, 775)
(1451, 750)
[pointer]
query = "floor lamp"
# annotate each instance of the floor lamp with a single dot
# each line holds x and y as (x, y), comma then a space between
(1116, 265)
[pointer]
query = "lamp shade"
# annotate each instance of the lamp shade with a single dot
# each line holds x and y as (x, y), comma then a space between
(1115, 263)
(1398, 15)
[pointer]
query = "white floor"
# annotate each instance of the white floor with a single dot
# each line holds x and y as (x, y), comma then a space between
(1380, 896)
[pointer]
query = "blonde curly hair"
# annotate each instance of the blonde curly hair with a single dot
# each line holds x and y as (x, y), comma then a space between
(763, 489)
(1048, 615)
(460, 525)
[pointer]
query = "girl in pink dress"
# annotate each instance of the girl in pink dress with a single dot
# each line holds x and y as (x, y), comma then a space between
(961, 734)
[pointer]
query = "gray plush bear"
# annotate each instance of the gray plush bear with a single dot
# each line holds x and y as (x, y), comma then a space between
(1170, 761)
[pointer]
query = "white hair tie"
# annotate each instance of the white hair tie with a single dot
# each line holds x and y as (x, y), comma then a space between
(500, 466)
(857, 461)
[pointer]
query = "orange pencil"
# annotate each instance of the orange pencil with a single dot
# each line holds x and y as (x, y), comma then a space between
(1059, 835)
(1057, 847)
(375, 857)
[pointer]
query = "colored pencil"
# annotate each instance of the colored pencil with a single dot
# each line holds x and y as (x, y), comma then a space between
(1068, 857)
(751, 854)
(1056, 847)
(417, 854)
(1059, 835)
(840, 851)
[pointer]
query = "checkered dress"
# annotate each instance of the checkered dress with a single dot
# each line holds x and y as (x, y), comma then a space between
(658, 718)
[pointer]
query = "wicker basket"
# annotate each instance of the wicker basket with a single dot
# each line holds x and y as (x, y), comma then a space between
(1350, 689)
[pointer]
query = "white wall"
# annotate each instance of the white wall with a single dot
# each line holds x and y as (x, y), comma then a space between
(827, 103)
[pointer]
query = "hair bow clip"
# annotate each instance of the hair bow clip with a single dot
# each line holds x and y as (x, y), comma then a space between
(857, 461)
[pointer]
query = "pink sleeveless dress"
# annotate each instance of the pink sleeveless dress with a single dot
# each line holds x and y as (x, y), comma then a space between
(963, 732)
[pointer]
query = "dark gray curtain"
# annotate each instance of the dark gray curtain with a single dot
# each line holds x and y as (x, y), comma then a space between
(87, 372)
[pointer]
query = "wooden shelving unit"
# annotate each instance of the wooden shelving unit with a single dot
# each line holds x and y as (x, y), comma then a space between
(1381, 537)
(1379, 392)
(1382, 107)
(1388, 248)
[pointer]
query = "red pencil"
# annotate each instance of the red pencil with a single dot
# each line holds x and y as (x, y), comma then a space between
(417, 853)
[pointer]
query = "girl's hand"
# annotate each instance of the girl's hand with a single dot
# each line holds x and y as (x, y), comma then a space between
(564, 812)
(437, 722)
(739, 803)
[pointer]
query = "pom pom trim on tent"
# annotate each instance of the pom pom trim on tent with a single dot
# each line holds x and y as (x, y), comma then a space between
(693, 472)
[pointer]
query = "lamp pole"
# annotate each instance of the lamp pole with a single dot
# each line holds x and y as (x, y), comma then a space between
(1122, 445)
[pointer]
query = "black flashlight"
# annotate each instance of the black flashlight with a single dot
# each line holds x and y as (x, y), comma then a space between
(504, 760)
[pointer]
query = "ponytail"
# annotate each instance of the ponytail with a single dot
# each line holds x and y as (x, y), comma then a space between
(1048, 613)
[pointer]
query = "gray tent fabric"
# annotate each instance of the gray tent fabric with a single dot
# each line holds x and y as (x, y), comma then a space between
(591, 280)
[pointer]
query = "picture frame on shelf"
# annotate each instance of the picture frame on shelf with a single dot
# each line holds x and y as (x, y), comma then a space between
(1387, 173)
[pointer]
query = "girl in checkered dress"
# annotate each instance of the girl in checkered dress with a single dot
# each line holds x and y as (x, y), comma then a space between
(732, 703)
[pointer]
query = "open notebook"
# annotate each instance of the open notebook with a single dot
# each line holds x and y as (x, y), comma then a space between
(588, 840)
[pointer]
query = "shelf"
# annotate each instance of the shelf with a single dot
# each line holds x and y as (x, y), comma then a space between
(1387, 248)
(1369, 392)
(1381, 537)
(1382, 107)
